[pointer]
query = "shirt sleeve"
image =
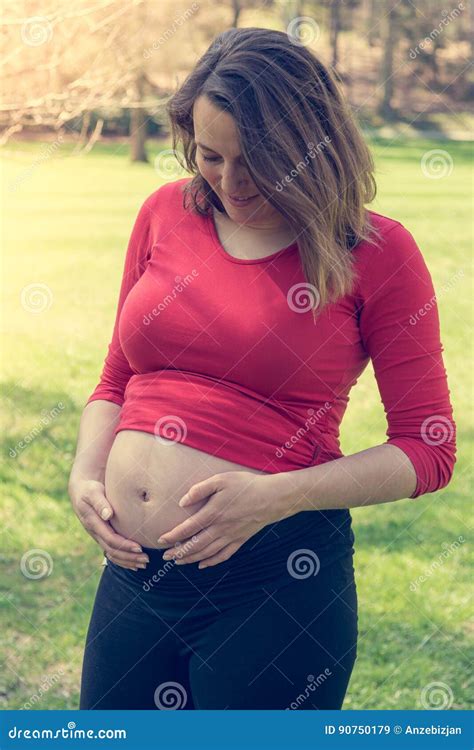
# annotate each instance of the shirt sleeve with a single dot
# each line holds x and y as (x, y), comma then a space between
(400, 329)
(116, 371)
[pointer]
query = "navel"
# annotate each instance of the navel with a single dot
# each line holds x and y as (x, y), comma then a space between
(145, 496)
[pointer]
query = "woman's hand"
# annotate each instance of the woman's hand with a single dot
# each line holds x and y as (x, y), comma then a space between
(240, 503)
(94, 511)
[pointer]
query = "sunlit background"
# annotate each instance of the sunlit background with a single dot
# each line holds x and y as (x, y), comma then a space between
(84, 140)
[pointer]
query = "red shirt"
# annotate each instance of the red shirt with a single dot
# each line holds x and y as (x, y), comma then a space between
(223, 354)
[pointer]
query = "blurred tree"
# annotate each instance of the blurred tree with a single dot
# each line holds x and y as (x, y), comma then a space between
(138, 114)
(291, 10)
(100, 58)
(432, 30)
(99, 67)
(238, 6)
(419, 34)
(340, 19)
(390, 34)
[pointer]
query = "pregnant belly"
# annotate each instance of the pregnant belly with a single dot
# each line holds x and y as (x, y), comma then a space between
(145, 478)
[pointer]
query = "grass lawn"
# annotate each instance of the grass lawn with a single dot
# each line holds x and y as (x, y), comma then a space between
(67, 222)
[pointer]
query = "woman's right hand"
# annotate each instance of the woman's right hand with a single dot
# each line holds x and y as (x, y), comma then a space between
(94, 512)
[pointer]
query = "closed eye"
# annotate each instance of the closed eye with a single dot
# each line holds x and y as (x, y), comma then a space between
(211, 158)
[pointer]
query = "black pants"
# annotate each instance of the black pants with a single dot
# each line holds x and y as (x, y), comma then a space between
(272, 627)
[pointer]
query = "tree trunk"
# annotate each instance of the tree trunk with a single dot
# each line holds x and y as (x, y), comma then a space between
(372, 23)
(389, 37)
(335, 27)
(138, 115)
(138, 135)
(236, 7)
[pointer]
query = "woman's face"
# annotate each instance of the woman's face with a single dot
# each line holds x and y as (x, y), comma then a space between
(219, 161)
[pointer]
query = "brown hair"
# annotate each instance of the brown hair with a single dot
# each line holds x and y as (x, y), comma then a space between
(287, 106)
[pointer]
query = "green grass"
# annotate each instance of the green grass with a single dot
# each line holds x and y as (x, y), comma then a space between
(67, 224)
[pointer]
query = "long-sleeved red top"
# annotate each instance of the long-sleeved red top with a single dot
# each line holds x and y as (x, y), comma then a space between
(223, 353)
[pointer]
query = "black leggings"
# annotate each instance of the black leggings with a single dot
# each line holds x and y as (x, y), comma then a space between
(272, 627)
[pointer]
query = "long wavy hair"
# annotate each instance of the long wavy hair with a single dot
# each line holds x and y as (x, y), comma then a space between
(299, 141)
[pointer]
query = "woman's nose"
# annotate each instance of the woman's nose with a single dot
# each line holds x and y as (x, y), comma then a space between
(233, 182)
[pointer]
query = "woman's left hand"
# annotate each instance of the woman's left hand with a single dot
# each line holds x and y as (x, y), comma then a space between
(240, 503)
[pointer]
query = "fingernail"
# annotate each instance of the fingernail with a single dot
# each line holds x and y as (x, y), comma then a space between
(144, 559)
(142, 565)
(106, 513)
(136, 548)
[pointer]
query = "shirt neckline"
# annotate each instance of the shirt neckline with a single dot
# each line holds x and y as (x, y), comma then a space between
(242, 261)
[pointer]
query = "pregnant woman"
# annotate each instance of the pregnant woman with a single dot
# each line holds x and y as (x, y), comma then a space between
(208, 467)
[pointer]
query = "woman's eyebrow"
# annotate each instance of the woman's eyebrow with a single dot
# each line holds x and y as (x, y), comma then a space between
(203, 145)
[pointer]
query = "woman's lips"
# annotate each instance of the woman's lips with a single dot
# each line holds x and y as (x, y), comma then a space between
(240, 203)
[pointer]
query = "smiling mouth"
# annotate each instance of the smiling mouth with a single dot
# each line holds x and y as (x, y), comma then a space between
(241, 201)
